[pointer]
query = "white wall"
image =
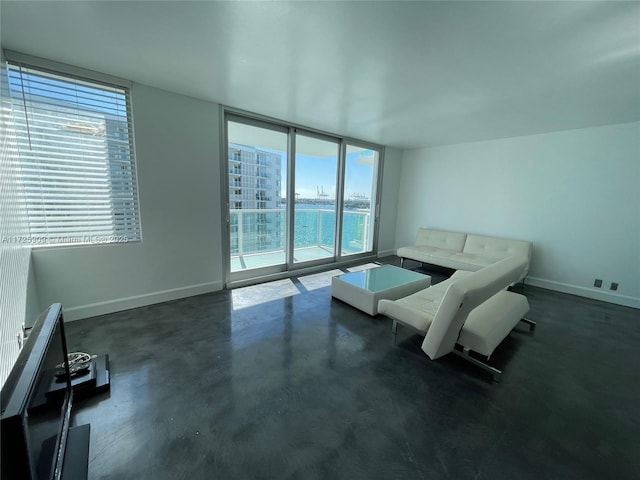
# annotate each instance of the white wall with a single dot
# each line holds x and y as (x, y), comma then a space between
(389, 201)
(575, 194)
(177, 150)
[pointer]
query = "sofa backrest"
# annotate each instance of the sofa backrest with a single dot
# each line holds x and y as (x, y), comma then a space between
(497, 247)
(441, 239)
(462, 297)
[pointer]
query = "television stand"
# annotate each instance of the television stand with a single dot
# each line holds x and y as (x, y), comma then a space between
(96, 380)
(76, 456)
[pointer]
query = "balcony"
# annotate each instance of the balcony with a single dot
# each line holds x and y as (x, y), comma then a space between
(259, 240)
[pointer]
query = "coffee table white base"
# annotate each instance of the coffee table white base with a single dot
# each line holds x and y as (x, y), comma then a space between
(363, 290)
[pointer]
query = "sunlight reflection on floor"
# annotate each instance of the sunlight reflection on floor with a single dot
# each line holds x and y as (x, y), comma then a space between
(265, 292)
(319, 280)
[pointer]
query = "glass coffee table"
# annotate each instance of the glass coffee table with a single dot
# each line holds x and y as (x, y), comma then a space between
(365, 288)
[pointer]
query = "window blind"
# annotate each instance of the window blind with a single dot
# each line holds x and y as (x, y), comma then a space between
(14, 258)
(75, 149)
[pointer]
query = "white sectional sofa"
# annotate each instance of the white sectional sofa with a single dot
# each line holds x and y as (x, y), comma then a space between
(470, 309)
(464, 251)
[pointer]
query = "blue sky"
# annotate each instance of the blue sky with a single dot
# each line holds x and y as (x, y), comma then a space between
(316, 160)
(320, 172)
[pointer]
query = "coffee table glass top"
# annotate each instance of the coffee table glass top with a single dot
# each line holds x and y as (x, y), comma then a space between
(381, 278)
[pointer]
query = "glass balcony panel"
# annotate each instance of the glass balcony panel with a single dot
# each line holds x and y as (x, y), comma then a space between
(359, 200)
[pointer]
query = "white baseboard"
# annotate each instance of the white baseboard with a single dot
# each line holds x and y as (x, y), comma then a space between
(584, 292)
(126, 303)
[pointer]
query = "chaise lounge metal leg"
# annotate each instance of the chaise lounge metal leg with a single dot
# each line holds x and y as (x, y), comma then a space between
(394, 330)
(401, 262)
(495, 373)
(531, 323)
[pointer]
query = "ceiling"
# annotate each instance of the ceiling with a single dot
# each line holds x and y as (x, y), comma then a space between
(402, 74)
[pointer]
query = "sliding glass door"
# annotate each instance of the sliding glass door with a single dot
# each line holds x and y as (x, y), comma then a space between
(257, 171)
(295, 198)
(359, 200)
(314, 225)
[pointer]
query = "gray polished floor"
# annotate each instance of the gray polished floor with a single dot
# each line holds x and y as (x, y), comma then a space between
(277, 381)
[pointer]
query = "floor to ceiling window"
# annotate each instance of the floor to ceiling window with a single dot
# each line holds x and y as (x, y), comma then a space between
(316, 171)
(294, 196)
(257, 170)
(358, 213)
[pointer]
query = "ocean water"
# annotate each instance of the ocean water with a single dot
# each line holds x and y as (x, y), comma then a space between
(315, 222)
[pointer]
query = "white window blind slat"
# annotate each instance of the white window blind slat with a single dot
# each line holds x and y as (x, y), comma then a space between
(72, 119)
(75, 147)
(70, 163)
(75, 91)
(14, 257)
(76, 94)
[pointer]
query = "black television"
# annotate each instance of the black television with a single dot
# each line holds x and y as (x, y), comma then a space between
(36, 402)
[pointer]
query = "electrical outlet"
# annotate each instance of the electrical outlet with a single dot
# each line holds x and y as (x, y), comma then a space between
(614, 286)
(597, 283)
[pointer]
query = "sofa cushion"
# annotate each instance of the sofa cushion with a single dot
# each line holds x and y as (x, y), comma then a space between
(446, 258)
(417, 310)
(496, 247)
(460, 261)
(461, 251)
(490, 322)
(441, 239)
(461, 297)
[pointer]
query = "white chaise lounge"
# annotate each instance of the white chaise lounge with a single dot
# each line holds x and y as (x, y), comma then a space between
(471, 309)
(464, 251)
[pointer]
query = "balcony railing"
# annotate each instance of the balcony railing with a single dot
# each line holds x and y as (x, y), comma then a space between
(263, 230)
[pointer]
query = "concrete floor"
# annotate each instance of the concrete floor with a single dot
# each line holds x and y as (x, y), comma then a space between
(278, 381)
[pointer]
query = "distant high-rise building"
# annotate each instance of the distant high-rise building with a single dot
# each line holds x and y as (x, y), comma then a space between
(254, 185)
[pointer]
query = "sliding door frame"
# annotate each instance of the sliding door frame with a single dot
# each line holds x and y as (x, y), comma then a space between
(292, 186)
(377, 179)
(242, 275)
(289, 268)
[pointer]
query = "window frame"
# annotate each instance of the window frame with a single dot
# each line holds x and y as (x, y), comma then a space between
(126, 155)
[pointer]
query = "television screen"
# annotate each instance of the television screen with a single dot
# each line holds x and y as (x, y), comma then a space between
(36, 403)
